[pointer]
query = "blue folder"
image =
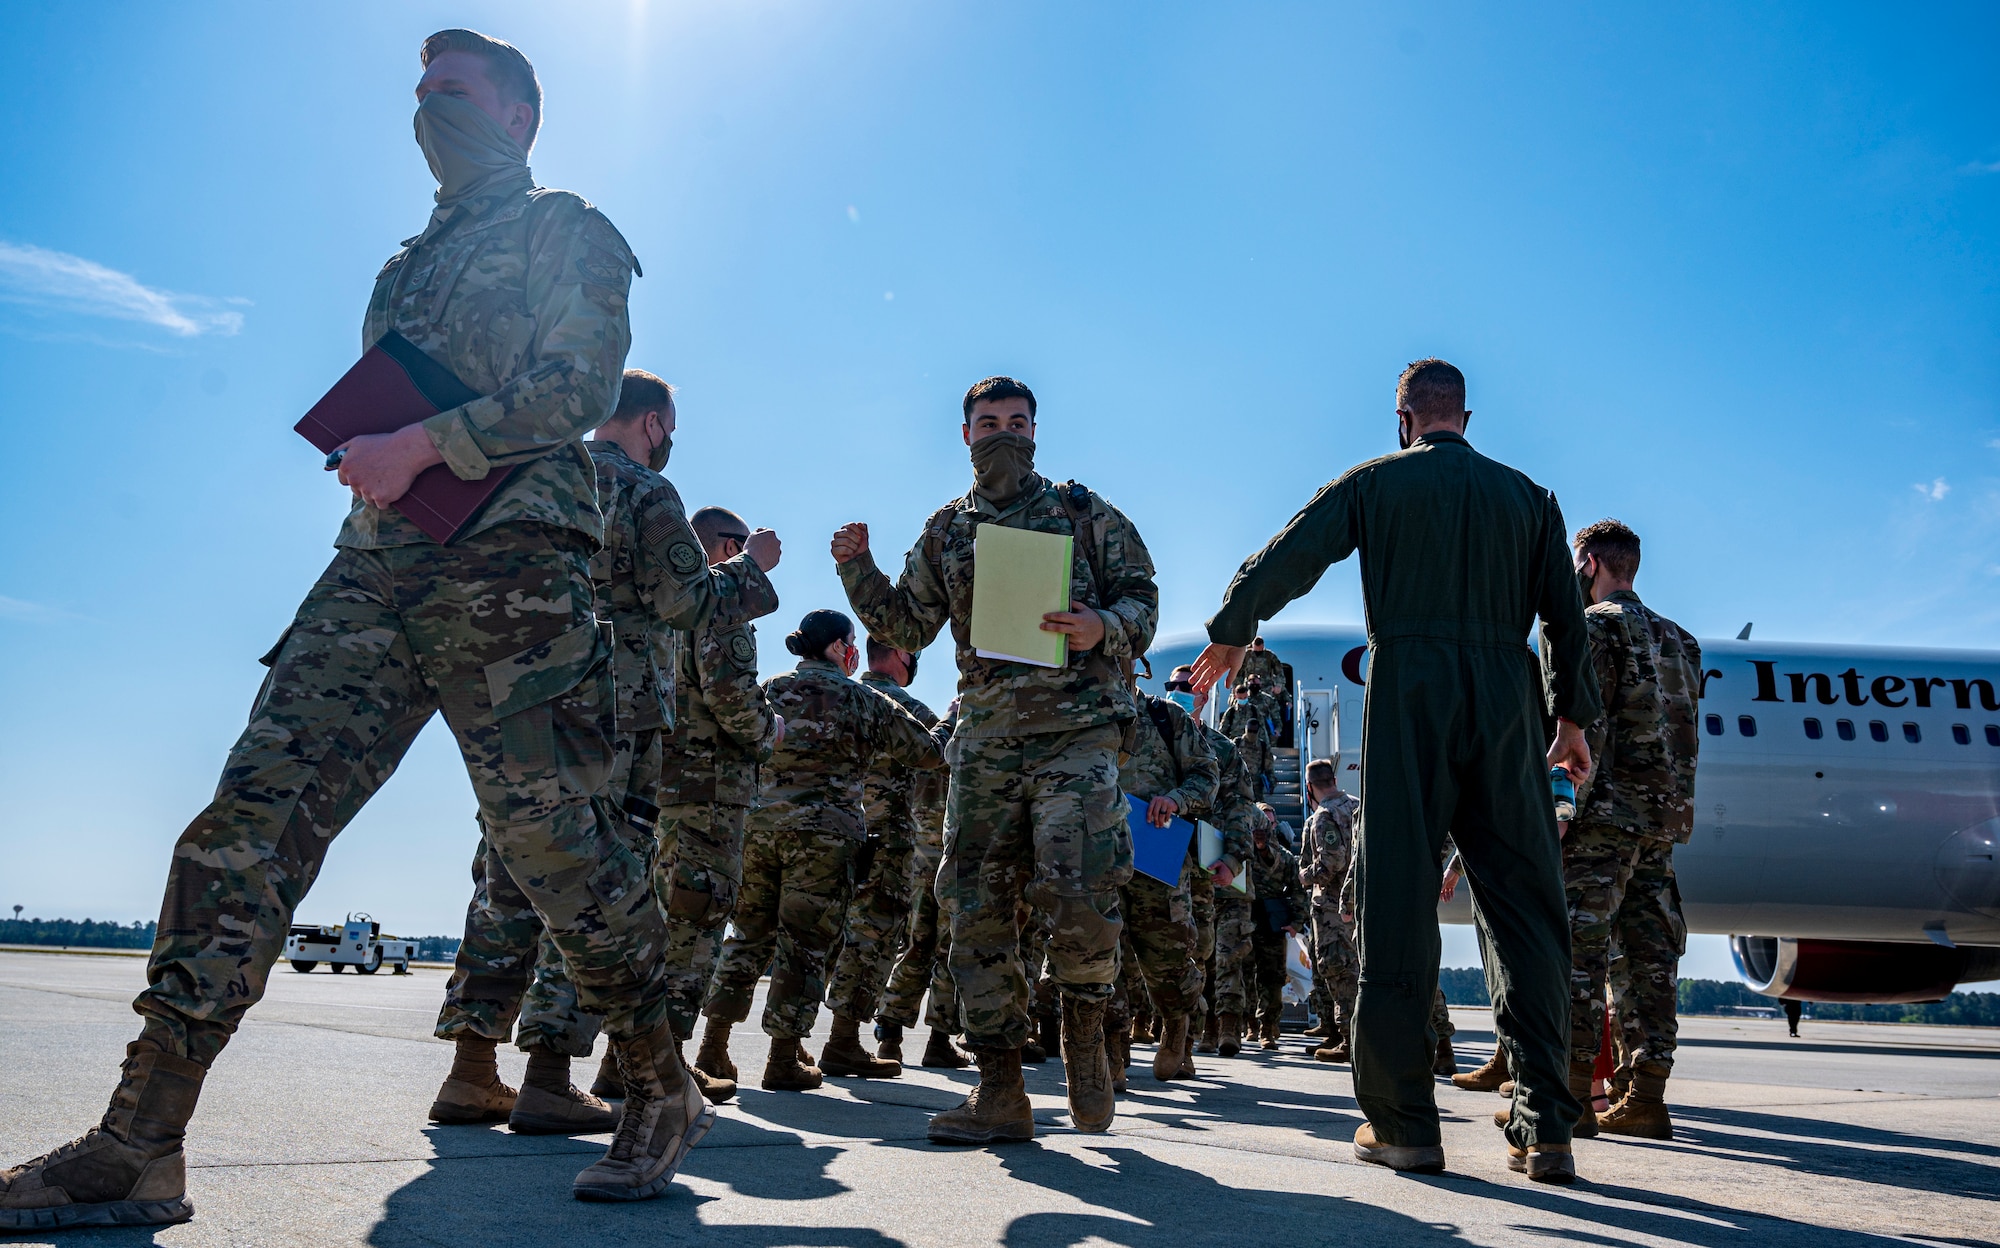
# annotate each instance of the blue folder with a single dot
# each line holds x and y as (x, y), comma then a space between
(1158, 852)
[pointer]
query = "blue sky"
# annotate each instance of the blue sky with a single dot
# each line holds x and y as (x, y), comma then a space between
(1726, 272)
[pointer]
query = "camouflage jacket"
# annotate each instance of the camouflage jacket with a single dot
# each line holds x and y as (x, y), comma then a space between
(999, 698)
(904, 805)
(521, 293)
(1247, 719)
(1274, 878)
(1229, 812)
(1267, 668)
(654, 583)
(1642, 749)
(1328, 845)
(836, 729)
(723, 727)
(1173, 762)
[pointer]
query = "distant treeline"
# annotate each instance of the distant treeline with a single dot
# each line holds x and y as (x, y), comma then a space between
(91, 934)
(1467, 986)
(86, 933)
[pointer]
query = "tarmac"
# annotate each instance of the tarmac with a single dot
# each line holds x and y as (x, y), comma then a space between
(312, 1131)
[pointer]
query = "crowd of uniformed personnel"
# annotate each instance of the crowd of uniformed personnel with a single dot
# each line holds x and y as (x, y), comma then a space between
(659, 829)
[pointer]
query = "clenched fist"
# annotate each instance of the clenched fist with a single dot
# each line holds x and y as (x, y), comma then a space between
(850, 542)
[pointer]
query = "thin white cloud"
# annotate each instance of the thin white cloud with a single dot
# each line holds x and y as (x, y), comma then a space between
(1983, 166)
(55, 279)
(31, 612)
(1935, 491)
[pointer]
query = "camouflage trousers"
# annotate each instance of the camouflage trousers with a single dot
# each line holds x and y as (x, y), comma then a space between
(1441, 1016)
(698, 876)
(1038, 818)
(1621, 893)
(795, 888)
(497, 633)
(1336, 965)
(1159, 926)
(1201, 906)
(1233, 926)
(922, 965)
(878, 916)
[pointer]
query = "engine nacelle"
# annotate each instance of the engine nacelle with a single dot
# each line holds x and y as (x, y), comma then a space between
(1859, 971)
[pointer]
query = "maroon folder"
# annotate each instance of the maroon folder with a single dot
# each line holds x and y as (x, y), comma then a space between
(393, 385)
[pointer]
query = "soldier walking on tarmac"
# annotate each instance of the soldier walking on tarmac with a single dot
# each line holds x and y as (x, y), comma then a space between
(1459, 555)
(521, 292)
(1033, 810)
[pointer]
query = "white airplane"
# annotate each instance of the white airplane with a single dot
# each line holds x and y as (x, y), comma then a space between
(1847, 824)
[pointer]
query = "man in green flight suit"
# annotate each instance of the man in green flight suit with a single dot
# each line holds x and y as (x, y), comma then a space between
(1459, 554)
(520, 291)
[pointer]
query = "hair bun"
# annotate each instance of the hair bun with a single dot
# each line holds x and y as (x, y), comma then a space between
(796, 643)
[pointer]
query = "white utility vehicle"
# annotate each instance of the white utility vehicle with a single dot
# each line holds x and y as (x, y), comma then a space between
(358, 943)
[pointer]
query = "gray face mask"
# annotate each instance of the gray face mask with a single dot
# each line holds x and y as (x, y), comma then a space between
(468, 152)
(1001, 465)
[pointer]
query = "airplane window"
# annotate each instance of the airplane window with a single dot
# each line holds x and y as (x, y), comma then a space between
(1715, 726)
(1747, 725)
(1912, 733)
(1846, 729)
(1961, 734)
(1813, 730)
(1878, 730)
(1993, 734)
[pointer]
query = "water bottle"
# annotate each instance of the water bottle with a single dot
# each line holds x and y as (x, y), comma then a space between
(1564, 794)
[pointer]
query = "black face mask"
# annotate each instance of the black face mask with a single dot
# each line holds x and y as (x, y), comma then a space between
(910, 665)
(1583, 582)
(657, 461)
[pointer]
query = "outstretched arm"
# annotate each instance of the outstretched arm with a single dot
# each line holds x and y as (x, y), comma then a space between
(908, 614)
(1288, 567)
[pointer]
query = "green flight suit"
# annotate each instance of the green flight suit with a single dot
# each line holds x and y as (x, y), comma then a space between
(1459, 554)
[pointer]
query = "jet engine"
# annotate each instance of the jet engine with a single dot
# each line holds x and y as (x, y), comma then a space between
(1861, 971)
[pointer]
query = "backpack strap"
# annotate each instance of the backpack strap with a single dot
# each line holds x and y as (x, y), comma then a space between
(1083, 527)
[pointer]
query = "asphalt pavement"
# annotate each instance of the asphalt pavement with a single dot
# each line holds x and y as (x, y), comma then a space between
(311, 1131)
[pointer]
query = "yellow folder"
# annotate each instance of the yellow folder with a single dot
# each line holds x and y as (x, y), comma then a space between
(1017, 577)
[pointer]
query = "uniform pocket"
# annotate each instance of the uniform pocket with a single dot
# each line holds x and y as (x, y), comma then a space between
(555, 707)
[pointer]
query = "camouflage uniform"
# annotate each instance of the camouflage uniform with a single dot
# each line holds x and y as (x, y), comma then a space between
(1279, 902)
(921, 965)
(1638, 803)
(898, 801)
(1034, 756)
(1247, 722)
(798, 859)
(1324, 857)
(650, 578)
(1165, 756)
(520, 292)
(1267, 668)
(708, 782)
(1218, 924)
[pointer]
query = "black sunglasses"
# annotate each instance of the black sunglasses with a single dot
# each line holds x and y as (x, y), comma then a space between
(1179, 686)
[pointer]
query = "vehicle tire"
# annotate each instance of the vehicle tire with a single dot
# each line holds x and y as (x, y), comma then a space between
(372, 965)
(402, 968)
(304, 968)
(336, 967)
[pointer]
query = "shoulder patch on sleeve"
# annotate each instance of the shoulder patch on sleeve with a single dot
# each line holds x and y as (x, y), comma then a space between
(742, 651)
(684, 559)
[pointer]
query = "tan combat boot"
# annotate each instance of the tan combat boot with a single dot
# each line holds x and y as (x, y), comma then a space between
(1270, 1029)
(1544, 1163)
(996, 1112)
(889, 1041)
(1118, 1052)
(549, 1104)
(609, 1085)
(1416, 1158)
(1187, 1055)
(664, 1116)
(1085, 1067)
(128, 1170)
(1579, 1087)
(712, 1059)
(1210, 1025)
(472, 1092)
(941, 1054)
(1334, 1050)
(845, 1058)
(786, 1071)
(1171, 1061)
(1232, 1035)
(1445, 1064)
(1643, 1112)
(1143, 1027)
(1487, 1078)
(716, 1091)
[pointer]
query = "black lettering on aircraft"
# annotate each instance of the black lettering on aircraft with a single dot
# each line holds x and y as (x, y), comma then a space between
(1855, 689)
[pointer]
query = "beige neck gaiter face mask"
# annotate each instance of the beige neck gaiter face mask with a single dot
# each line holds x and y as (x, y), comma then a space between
(469, 153)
